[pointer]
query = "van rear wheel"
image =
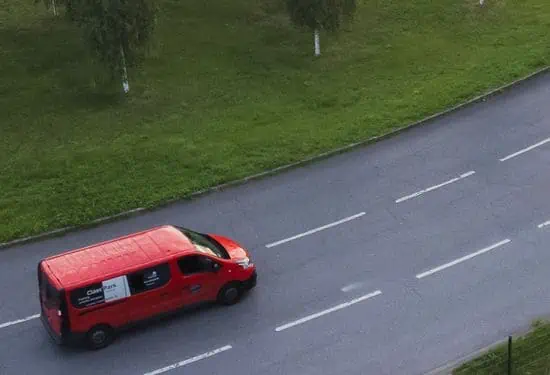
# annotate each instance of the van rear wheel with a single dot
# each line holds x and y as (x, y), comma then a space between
(100, 337)
(230, 294)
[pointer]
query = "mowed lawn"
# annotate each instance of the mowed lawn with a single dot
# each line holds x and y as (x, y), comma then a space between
(230, 89)
(530, 355)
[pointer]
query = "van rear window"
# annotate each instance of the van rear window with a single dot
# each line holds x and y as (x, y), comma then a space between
(48, 293)
(121, 286)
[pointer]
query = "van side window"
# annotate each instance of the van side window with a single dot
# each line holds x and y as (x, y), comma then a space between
(195, 264)
(149, 278)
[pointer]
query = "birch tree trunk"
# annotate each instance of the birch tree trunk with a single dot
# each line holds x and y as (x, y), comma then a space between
(317, 43)
(125, 84)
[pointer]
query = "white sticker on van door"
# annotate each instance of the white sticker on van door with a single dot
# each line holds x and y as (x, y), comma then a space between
(116, 288)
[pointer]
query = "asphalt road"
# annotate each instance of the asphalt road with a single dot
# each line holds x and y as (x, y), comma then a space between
(384, 281)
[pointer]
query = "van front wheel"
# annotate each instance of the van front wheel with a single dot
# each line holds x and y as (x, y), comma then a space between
(99, 337)
(230, 294)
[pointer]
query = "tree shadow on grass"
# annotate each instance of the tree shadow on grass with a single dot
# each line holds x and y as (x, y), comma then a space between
(47, 61)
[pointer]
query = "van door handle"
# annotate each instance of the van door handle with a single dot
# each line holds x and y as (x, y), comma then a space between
(195, 288)
(164, 294)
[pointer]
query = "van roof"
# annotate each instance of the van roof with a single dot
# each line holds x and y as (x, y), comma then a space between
(117, 255)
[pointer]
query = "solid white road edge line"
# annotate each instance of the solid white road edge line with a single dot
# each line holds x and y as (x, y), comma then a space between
(316, 230)
(190, 360)
(7, 324)
(418, 193)
(460, 260)
(525, 150)
(328, 311)
(544, 224)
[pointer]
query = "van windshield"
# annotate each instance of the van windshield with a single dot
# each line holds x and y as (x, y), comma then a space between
(205, 244)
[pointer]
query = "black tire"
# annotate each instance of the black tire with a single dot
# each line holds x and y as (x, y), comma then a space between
(100, 337)
(230, 294)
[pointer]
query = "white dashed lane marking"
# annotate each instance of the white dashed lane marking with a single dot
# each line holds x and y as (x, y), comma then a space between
(349, 218)
(190, 360)
(525, 150)
(460, 260)
(419, 193)
(19, 321)
(328, 311)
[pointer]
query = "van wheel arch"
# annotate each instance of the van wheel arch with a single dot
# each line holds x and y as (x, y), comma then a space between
(230, 293)
(100, 336)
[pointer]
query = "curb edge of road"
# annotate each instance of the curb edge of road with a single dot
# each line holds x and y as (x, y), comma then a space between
(286, 167)
(449, 367)
(523, 330)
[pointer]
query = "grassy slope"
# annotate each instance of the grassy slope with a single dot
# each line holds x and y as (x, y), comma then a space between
(530, 356)
(230, 89)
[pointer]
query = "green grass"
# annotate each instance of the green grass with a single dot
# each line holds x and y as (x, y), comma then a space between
(230, 89)
(530, 356)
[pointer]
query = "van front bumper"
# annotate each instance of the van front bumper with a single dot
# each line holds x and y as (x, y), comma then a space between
(251, 281)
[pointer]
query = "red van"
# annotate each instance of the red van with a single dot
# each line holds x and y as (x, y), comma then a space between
(89, 294)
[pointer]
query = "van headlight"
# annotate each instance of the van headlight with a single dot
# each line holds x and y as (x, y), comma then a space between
(244, 263)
